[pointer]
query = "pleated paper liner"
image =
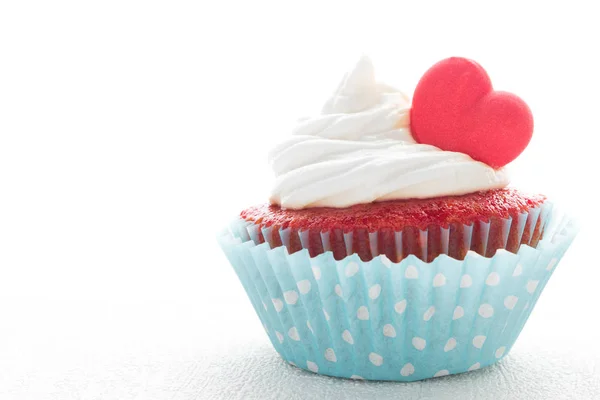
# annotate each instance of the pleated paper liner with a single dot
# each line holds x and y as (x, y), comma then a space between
(483, 237)
(400, 321)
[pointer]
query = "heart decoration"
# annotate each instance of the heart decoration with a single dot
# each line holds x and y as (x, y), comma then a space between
(455, 108)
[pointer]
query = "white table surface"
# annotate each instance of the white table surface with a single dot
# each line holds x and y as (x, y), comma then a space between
(184, 335)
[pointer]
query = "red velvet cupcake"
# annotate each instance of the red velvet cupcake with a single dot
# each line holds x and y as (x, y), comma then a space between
(391, 247)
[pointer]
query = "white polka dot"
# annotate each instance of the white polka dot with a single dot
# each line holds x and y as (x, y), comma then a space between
(407, 370)
(351, 269)
(293, 334)
(326, 315)
(330, 355)
(291, 296)
(439, 280)
(386, 262)
(500, 351)
(309, 327)
(552, 264)
(374, 291)
(411, 272)
(362, 313)
(459, 312)
(518, 270)
(450, 345)
(526, 306)
(279, 336)
(265, 306)
(486, 310)
(493, 279)
(347, 336)
(429, 313)
(389, 331)
(466, 281)
(278, 304)
(419, 343)
(474, 367)
(478, 341)
(510, 302)
(375, 359)
(312, 366)
(304, 286)
(531, 286)
(441, 373)
(316, 272)
(400, 306)
(338, 290)
(357, 377)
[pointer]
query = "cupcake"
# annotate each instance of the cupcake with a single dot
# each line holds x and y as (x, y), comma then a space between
(392, 247)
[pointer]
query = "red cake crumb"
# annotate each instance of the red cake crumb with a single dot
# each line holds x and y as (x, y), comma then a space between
(398, 214)
(408, 216)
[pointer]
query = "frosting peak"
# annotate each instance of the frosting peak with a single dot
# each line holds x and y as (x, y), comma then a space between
(360, 150)
(356, 92)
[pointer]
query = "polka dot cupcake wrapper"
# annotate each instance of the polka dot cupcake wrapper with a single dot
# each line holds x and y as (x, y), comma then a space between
(403, 321)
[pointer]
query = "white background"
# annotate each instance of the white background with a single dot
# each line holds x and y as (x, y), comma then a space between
(131, 132)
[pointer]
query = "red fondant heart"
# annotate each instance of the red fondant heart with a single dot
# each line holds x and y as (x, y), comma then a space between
(455, 108)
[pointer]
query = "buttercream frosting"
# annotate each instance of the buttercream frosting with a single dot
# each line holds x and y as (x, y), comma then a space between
(360, 150)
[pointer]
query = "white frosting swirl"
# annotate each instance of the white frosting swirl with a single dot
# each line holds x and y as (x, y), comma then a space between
(360, 150)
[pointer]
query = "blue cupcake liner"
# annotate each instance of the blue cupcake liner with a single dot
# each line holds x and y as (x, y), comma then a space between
(405, 321)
